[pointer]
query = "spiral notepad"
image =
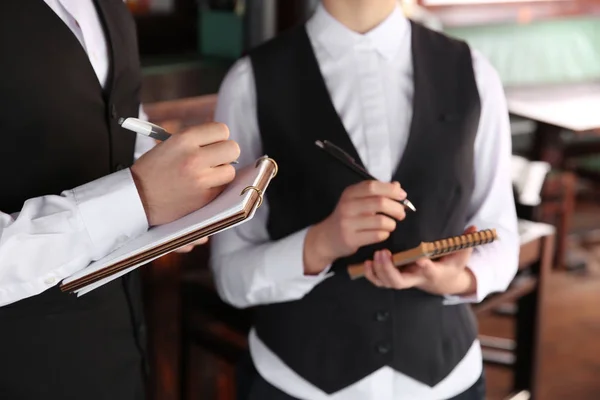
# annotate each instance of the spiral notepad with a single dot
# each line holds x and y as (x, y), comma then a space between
(235, 205)
(434, 250)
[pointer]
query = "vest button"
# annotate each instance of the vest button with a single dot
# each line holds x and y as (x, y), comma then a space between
(382, 316)
(119, 167)
(383, 348)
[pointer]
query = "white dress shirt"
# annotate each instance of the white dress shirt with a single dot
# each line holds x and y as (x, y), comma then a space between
(54, 236)
(370, 80)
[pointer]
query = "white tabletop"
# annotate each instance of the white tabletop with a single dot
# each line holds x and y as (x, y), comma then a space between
(575, 106)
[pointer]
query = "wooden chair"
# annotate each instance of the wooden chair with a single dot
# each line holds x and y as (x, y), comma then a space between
(212, 331)
(557, 208)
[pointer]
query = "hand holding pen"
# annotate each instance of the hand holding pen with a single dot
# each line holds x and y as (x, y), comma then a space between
(185, 172)
(366, 213)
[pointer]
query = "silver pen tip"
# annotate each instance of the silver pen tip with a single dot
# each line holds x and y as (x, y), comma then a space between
(121, 120)
(319, 143)
(410, 205)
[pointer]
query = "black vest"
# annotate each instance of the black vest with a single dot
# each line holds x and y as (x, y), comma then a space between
(59, 130)
(344, 330)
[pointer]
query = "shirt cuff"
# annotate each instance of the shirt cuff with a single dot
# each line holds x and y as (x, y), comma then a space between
(290, 249)
(111, 210)
(482, 270)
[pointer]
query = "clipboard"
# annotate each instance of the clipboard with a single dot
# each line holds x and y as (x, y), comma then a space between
(235, 205)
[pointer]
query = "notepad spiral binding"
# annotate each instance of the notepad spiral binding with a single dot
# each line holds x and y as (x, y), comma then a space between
(433, 250)
(455, 243)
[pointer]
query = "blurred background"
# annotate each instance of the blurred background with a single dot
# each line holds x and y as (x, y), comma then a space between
(540, 336)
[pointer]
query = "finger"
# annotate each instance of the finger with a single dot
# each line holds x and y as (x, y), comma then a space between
(205, 134)
(200, 242)
(219, 153)
(424, 262)
(190, 247)
(412, 277)
(374, 205)
(378, 272)
(372, 223)
(364, 238)
(426, 266)
(216, 177)
(370, 275)
(386, 271)
(375, 189)
(470, 229)
(185, 249)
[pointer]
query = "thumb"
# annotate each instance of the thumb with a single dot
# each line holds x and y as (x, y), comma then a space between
(424, 263)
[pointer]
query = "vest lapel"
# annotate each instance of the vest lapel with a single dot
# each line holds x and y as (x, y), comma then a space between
(109, 33)
(67, 37)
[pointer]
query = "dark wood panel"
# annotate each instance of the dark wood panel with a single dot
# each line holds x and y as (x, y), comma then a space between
(180, 83)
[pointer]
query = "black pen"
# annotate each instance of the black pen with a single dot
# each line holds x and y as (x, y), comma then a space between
(147, 129)
(351, 164)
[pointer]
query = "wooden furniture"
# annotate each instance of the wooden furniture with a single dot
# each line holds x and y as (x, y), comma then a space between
(560, 110)
(214, 328)
(183, 112)
(557, 209)
(522, 353)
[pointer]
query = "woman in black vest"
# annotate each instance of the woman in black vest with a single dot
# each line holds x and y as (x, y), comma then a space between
(69, 70)
(426, 116)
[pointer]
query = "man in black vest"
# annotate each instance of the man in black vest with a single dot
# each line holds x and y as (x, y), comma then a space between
(69, 70)
(426, 116)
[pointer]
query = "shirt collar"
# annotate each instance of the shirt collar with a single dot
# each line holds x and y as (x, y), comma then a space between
(336, 38)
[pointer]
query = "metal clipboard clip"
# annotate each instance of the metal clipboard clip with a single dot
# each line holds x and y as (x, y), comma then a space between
(257, 190)
(267, 158)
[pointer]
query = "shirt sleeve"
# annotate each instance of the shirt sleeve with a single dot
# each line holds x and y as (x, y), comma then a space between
(248, 267)
(492, 204)
(53, 237)
(143, 143)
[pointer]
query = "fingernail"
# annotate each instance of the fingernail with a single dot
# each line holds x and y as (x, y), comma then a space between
(382, 255)
(388, 255)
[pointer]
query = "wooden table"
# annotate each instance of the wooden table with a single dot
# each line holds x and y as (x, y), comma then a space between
(556, 108)
(522, 353)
